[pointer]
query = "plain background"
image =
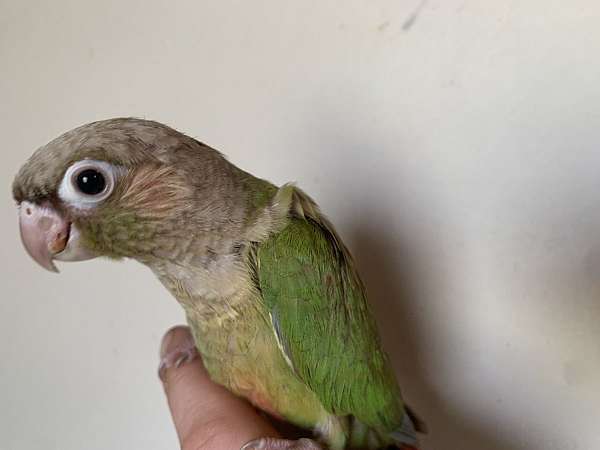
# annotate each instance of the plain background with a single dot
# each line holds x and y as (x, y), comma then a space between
(454, 143)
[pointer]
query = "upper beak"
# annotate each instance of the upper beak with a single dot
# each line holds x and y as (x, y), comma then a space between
(47, 235)
(44, 233)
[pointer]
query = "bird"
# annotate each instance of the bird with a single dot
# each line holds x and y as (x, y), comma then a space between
(276, 307)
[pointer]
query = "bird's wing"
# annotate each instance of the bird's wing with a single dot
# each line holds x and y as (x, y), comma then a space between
(321, 318)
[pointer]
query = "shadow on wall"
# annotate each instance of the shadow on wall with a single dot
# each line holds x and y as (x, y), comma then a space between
(394, 295)
(395, 266)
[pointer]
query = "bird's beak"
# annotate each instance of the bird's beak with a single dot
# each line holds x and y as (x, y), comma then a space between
(47, 236)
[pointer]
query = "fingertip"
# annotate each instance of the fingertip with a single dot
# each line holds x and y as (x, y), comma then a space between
(177, 336)
(177, 348)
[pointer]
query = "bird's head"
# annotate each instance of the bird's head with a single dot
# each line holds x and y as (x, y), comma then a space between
(118, 188)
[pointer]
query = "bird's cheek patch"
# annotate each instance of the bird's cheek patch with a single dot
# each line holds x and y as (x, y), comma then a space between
(154, 190)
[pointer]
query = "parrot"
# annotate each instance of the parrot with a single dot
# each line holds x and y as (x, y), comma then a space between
(276, 307)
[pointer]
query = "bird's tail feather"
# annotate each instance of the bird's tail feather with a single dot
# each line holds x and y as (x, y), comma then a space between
(406, 435)
(404, 438)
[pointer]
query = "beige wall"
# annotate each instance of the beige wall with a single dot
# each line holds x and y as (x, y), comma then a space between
(454, 143)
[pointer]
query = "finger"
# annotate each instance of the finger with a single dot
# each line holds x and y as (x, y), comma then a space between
(206, 415)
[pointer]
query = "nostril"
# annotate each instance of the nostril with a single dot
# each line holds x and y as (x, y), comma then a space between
(28, 211)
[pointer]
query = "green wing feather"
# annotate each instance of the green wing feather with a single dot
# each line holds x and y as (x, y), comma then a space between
(317, 302)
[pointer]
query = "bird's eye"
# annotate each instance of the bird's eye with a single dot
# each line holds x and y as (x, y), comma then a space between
(90, 182)
(86, 183)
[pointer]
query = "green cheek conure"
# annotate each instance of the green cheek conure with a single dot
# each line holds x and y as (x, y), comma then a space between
(271, 293)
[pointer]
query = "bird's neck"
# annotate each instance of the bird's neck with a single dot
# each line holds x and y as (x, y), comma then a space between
(207, 270)
(212, 284)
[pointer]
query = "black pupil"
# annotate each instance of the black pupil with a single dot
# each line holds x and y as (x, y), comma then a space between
(91, 182)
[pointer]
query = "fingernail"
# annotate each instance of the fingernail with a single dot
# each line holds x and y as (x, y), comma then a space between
(176, 349)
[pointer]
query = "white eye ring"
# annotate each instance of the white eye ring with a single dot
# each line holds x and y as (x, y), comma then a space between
(70, 193)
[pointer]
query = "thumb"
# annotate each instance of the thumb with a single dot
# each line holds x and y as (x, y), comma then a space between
(206, 415)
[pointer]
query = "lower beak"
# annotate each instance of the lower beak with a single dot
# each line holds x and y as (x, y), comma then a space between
(47, 235)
